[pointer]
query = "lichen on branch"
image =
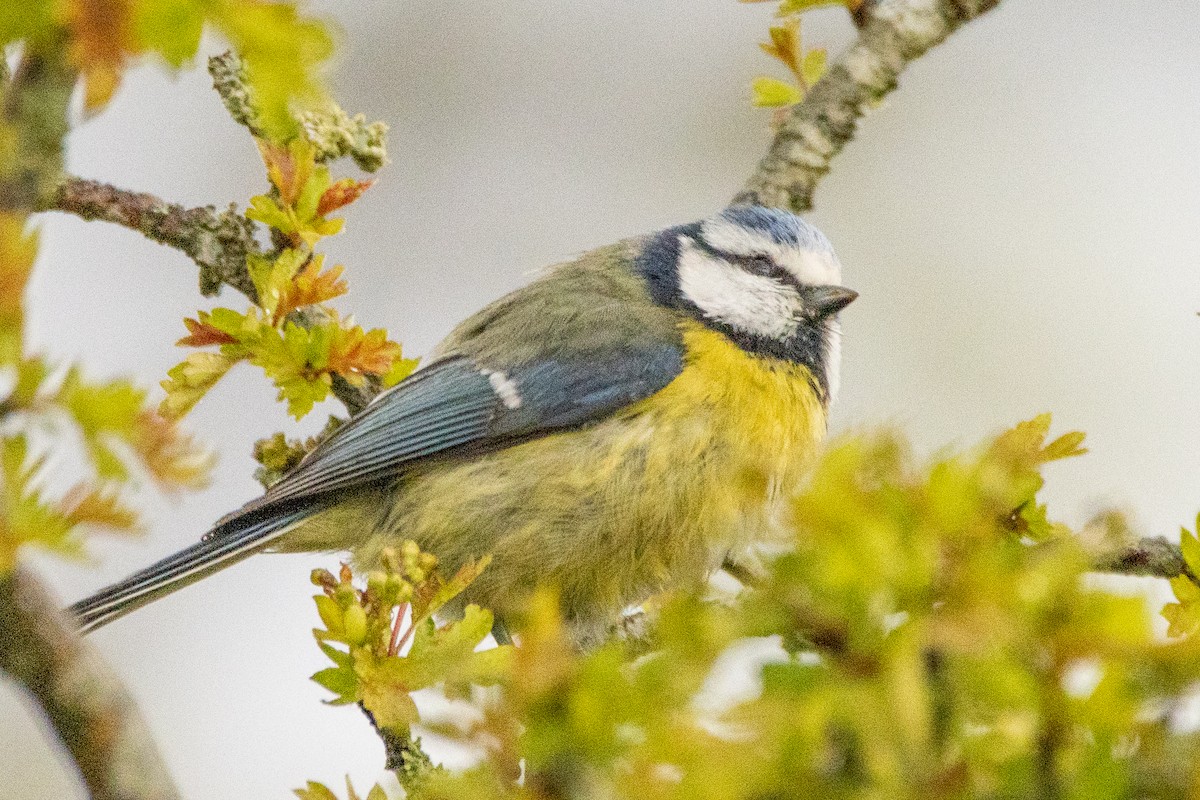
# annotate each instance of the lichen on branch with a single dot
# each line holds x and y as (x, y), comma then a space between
(217, 241)
(892, 34)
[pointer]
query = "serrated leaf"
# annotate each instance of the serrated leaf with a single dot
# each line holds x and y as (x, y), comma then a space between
(273, 277)
(386, 696)
(101, 407)
(171, 28)
(264, 209)
(430, 595)
(26, 516)
(354, 353)
(99, 506)
(341, 681)
(1183, 619)
(175, 459)
(311, 286)
(202, 334)
(341, 194)
(190, 380)
(774, 93)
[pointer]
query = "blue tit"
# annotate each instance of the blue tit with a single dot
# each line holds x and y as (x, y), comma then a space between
(613, 429)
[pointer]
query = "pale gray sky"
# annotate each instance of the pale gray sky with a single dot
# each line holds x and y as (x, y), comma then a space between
(1020, 218)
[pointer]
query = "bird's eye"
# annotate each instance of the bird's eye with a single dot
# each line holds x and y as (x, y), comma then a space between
(760, 265)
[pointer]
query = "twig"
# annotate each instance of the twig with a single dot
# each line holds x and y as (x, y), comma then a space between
(229, 81)
(403, 755)
(35, 106)
(1154, 557)
(892, 34)
(93, 715)
(218, 241)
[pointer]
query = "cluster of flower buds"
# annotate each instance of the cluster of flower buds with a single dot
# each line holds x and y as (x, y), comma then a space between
(364, 616)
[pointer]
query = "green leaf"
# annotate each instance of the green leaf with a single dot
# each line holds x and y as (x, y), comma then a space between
(339, 657)
(190, 380)
(264, 209)
(107, 407)
(434, 593)
(172, 28)
(315, 791)
(789, 7)
(330, 613)
(272, 278)
(812, 67)
(1190, 548)
(1066, 446)
(342, 681)
(33, 21)
(282, 52)
(774, 93)
(26, 517)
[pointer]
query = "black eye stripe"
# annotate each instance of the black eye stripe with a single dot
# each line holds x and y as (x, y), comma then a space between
(766, 267)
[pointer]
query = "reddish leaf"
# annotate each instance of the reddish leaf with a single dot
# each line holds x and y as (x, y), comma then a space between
(342, 193)
(174, 458)
(101, 506)
(201, 334)
(289, 167)
(101, 35)
(311, 286)
(355, 352)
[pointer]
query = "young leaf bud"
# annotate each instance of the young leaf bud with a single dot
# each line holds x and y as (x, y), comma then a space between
(355, 622)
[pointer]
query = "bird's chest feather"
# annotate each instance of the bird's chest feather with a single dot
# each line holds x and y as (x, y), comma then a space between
(730, 434)
(661, 489)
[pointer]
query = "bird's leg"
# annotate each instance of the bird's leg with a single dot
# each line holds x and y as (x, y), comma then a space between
(743, 572)
(500, 631)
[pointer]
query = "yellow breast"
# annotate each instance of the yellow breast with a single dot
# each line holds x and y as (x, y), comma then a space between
(742, 428)
(614, 512)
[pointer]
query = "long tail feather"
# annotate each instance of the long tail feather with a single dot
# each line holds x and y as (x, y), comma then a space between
(230, 544)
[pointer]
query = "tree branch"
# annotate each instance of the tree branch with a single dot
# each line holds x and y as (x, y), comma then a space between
(892, 34)
(1155, 557)
(93, 715)
(218, 241)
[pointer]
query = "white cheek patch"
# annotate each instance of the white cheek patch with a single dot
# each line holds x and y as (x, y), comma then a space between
(726, 293)
(812, 267)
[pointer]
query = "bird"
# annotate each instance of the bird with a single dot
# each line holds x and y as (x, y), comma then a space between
(622, 425)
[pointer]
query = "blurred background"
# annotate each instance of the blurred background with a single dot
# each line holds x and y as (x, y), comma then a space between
(1021, 218)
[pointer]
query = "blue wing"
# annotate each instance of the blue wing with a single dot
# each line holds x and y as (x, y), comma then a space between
(453, 406)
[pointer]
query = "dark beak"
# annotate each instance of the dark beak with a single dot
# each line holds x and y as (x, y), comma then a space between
(825, 301)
